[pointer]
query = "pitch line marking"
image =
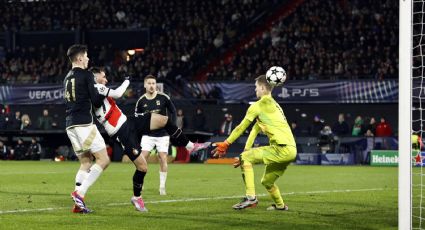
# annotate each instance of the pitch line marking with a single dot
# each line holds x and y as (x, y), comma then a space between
(201, 199)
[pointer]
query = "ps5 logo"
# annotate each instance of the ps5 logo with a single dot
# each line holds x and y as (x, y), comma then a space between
(308, 92)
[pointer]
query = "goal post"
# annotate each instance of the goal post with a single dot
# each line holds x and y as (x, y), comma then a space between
(405, 115)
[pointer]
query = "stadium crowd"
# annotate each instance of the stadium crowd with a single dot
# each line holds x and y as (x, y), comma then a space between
(183, 34)
(364, 37)
(187, 35)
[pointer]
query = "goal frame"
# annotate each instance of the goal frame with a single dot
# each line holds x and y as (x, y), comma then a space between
(405, 115)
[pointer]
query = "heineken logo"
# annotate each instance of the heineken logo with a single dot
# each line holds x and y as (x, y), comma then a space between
(385, 159)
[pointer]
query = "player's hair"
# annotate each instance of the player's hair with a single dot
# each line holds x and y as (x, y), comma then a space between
(96, 69)
(149, 77)
(263, 81)
(75, 50)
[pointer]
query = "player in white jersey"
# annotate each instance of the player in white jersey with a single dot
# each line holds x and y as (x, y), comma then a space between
(127, 131)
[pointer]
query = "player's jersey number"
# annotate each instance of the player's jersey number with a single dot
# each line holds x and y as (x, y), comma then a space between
(70, 89)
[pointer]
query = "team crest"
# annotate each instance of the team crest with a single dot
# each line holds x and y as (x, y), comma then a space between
(158, 102)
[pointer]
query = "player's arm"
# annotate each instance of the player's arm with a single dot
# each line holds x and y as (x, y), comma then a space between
(251, 114)
(118, 92)
(138, 109)
(252, 135)
(172, 114)
(95, 97)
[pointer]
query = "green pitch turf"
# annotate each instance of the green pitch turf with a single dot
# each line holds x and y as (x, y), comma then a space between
(35, 195)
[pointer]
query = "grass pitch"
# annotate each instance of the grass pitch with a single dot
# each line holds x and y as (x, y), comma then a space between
(36, 195)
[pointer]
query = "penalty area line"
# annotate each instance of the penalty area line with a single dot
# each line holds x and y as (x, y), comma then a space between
(201, 199)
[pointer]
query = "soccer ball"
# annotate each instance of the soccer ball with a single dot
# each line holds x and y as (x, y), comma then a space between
(276, 75)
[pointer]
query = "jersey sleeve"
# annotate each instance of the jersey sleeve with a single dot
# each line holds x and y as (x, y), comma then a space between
(95, 97)
(118, 92)
(252, 135)
(102, 89)
(171, 109)
(253, 112)
(139, 108)
(238, 130)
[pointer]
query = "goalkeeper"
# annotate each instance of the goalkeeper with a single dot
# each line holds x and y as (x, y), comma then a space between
(269, 119)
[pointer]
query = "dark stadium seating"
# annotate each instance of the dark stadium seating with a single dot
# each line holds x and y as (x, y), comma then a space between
(187, 36)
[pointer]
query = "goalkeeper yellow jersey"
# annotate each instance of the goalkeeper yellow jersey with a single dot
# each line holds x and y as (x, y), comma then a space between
(270, 118)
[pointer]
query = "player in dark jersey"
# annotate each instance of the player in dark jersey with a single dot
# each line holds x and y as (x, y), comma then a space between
(80, 95)
(156, 102)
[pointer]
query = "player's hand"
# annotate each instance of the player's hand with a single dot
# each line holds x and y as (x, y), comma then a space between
(236, 162)
(220, 148)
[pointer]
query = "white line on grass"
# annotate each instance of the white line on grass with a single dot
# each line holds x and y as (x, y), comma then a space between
(202, 199)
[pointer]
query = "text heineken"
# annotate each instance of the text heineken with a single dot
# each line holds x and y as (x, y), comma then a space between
(384, 158)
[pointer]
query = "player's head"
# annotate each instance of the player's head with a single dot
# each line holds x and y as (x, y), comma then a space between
(262, 87)
(77, 54)
(150, 84)
(99, 75)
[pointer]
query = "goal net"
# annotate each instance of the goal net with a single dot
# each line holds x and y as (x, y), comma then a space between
(411, 95)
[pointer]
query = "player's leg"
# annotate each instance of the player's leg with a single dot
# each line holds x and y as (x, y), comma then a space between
(275, 167)
(138, 177)
(271, 173)
(131, 148)
(86, 161)
(162, 145)
(152, 121)
(87, 139)
(96, 145)
(247, 159)
(147, 144)
(178, 138)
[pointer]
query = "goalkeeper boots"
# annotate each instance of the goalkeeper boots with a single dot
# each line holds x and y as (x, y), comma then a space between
(139, 204)
(273, 207)
(246, 203)
(199, 146)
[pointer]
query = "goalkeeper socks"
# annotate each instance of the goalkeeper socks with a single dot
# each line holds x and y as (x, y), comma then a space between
(248, 175)
(276, 197)
(80, 177)
(138, 180)
(176, 134)
(162, 179)
(92, 176)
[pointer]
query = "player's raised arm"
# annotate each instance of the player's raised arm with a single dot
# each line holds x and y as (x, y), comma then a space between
(118, 92)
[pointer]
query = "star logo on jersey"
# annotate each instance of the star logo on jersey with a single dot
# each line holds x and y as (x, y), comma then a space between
(158, 102)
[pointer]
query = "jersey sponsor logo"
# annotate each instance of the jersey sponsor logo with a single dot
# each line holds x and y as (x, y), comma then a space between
(158, 102)
(308, 92)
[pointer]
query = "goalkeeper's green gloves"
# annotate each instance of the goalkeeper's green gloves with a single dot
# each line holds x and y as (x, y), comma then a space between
(220, 148)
